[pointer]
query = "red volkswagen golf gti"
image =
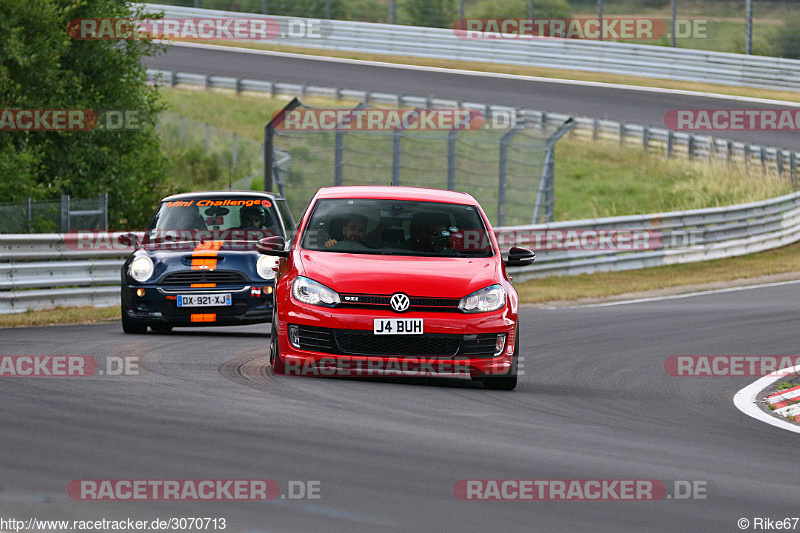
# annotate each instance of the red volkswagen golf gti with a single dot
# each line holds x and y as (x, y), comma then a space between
(395, 281)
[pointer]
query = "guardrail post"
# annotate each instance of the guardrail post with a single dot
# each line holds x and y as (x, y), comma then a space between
(238, 86)
(104, 207)
(622, 131)
(670, 143)
(173, 78)
(746, 155)
(712, 149)
(645, 138)
(451, 159)
(207, 82)
(763, 156)
(543, 121)
(397, 137)
(779, 160)
(235, 153)
(30, 215)
(595, 128)
(64, 213)
(729, 154)
(793, 168)
(690, 148)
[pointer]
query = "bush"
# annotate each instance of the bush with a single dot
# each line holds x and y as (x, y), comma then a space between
(787, 38)
(431, 13)
(519, 9)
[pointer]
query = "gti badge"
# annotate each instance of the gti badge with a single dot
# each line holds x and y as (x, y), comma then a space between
(399, 302)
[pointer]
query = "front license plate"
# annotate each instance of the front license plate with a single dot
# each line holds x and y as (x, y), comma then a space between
(397, 326)
(204, 300)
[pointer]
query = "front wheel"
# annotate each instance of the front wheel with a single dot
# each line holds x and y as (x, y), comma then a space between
(509, 381)
(130, 326)
(275, 359)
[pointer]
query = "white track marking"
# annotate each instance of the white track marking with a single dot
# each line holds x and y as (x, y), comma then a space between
(688, 294)
(745, 400)
(486, 74)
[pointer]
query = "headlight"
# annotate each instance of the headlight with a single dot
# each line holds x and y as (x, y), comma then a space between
(264, 266)
(489, 298)
(311, 292)
(141, 268)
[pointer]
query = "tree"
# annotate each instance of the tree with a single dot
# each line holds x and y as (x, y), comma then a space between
(497, 9)
(432, 13)
(42, 67)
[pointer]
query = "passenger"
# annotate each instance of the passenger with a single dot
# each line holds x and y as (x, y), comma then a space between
(354, 229)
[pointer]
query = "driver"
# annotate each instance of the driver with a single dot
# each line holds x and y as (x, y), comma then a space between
(250, 218)
(354, 229)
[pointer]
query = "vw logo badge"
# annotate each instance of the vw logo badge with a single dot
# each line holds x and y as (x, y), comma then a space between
(399, 302)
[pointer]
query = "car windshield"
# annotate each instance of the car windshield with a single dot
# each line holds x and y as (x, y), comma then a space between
(397, 227)
(228, 217)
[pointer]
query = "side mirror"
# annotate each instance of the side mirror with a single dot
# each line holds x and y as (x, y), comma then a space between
(273, 246)
(518, 257)
(130, 239)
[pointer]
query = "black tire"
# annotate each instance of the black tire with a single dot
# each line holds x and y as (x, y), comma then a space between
(161, 328)
(131, 326)
(275, 359)
(509, 381)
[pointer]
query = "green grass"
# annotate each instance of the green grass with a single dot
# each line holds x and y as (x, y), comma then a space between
(607, 284)
(593, 179)
(60, 315)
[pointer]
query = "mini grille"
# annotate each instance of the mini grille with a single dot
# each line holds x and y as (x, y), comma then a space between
(188, 277)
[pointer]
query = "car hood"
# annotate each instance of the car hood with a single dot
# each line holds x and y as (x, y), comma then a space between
(435, 277)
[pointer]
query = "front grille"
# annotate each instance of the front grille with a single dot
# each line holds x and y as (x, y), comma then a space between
(417, 303)
(316, 339)
(478, 345)
(361, 342)
(188, 277)
(365, 343)
(170, 310)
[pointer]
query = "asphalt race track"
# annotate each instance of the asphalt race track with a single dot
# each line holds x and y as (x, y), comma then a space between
(641, 107)
(594, 403)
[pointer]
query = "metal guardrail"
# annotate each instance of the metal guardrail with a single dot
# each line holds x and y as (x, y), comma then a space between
(651, 139)
(41, 271)
(572, 54)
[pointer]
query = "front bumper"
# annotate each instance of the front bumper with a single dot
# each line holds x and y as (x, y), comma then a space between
(251, 304)
(339, 341)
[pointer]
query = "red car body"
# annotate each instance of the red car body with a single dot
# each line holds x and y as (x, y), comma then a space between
(338, 339)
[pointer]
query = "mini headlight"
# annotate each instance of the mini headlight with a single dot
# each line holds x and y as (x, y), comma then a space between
(264, 266)
(141, 268)
(489, 298)
(308, 291)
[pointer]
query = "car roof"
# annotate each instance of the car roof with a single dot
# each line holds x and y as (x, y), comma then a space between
(207, 194)
(386, 192)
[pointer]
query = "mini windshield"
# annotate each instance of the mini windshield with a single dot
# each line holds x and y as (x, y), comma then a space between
(228, 217)
(397, 227)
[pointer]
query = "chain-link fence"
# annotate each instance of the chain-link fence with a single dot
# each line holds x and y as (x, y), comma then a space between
(54, 216)
(509, 170)
(206, 157)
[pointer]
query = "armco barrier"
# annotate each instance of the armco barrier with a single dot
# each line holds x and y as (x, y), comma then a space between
(592, 56)
(40, 271)
(651, 139)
